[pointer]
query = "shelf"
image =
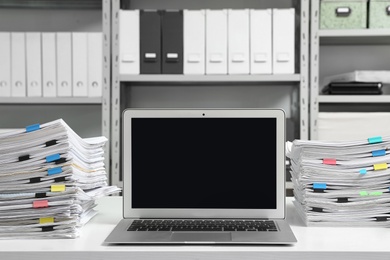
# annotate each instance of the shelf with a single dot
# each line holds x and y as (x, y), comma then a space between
(211, 78)
(354, 37)
(52, 4)
(54, 100)
(354, 99)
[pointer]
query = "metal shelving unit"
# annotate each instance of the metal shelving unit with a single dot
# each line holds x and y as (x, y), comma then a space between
(209, 90)
(211, 78)
(354, 99)
(89, 115)
(354, 37)
(54, 100)
(351, 44)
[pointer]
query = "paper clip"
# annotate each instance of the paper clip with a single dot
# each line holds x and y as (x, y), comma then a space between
(363, 171)
(378, 153)
(380, 166)
(35, 180)
(50, 143)
(53, 157)
(32, 128)
(47, 228)
(342, 200)
(319, 186)
(40, 204)
(329, 161)
(53, 171)
(375, 140)
(373, 193)
(24, 158)
(57, 188)
(46, 220)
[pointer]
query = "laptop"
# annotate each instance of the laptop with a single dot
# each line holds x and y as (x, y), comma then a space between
(203, 176)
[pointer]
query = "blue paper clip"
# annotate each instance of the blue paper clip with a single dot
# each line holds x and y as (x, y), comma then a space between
(53, 171)
(378, 153)
(53, 157)
(319, 186)
(375, 140)
(32, 128)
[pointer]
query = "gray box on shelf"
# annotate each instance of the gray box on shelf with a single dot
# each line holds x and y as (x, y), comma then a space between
(347, 14)
(379, 14)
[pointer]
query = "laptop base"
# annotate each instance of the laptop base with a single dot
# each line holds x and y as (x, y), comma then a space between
(120, 235)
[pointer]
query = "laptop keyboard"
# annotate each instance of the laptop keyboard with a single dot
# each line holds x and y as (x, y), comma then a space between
(202, 225)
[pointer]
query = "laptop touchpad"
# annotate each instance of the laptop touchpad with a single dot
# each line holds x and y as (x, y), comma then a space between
(200, 236)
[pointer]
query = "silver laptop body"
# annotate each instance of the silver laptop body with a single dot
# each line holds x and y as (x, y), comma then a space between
(213, 165)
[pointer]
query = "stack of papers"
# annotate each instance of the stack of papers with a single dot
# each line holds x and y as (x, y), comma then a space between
(342, 183)
(49, 181)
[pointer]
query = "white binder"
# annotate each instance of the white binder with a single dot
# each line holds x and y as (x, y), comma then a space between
(238, 41)
(64, 64)
(49, 65)
(194, 41)
(18, 64)
(34, 64)
(79, 64)
(95, 64)
(216, 41)
(261, 41)
(283, 41)
(5, 64)
(129, 38)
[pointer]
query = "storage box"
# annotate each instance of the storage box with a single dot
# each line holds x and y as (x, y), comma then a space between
(347, 14)
(379, 14)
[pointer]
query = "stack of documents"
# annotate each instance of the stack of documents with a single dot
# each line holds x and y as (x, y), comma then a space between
(342, 183)
(49, 181)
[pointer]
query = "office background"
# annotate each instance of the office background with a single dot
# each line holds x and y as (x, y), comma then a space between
(318, 53)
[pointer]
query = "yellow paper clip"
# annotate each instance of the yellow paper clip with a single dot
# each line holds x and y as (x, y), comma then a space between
(56, 188)
(46, 220)
(380, 166)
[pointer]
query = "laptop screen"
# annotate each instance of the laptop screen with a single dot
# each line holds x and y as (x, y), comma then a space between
(203, 163)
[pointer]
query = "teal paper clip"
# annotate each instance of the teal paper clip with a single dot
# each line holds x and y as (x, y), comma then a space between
(319, 186)
(363, 171)
(375, 140)
(32, 128)
(378, 153)
(53, 171)
(53, 157)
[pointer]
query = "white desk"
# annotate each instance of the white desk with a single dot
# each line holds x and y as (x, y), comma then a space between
(313, 243)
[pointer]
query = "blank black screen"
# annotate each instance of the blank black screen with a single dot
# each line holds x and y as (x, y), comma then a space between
(221, 163)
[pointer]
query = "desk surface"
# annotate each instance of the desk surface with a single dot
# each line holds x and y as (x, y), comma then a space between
(313, 243)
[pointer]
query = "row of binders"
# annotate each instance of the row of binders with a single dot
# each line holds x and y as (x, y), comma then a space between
(50, 179)
(48, 64)
(344, 183)
(246, 41)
